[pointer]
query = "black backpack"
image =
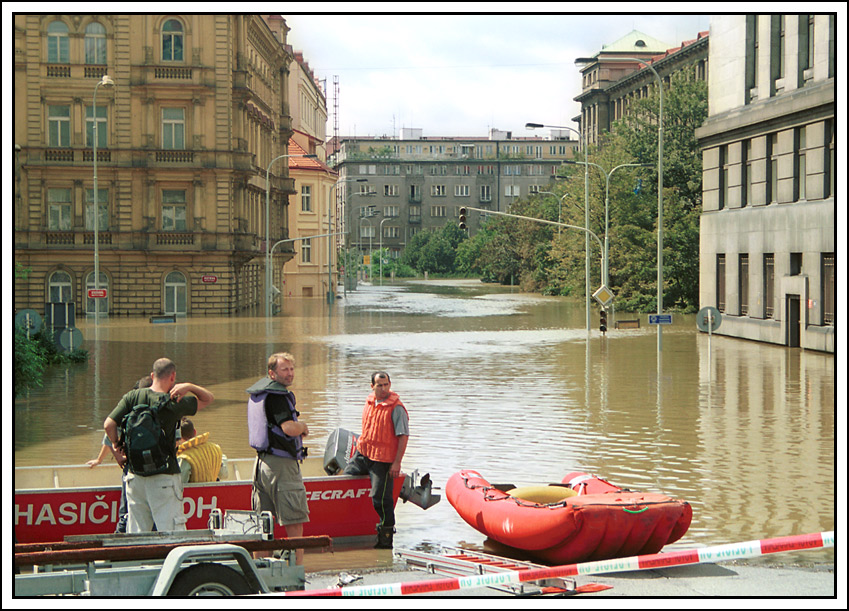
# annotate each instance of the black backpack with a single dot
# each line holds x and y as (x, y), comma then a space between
(145, 442)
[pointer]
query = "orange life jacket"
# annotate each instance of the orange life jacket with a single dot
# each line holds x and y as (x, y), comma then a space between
(378, 440)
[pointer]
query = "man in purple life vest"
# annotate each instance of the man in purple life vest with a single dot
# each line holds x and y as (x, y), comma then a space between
(380, 449)
(276, 434)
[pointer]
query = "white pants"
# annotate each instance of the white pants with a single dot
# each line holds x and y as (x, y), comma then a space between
(155, 499)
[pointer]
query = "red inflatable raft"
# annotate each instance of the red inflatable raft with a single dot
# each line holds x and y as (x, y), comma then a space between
(584, 518)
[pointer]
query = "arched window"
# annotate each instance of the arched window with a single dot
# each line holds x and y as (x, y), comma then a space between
(95, 43)
(172, 41)
(91, 304)
(175, 293)
(58, 43)
(59, 287)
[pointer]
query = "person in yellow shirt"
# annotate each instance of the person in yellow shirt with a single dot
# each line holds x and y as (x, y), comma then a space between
(200, 459)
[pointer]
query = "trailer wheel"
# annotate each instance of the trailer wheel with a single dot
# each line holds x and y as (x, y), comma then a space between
(209, 579)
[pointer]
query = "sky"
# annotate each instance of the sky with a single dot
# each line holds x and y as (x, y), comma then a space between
(463, 74)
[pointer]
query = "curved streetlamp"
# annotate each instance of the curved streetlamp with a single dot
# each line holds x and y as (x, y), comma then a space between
(268, 230)
(108, 82)
(659, 195)
(607, 177)
(583, 142)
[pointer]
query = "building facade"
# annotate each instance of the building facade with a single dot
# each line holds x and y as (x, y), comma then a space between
(400, 186)
(198, 109)
(767, 245)
(612, 77)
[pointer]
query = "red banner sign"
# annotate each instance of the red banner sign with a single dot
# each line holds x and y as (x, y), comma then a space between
(209, 279)
(97, 293)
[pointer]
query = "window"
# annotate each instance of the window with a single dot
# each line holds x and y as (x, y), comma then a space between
(795, 263)
(366, 231)
(743, 284)
(306, 198)
(390, 232)
(776, 52)
(511, 191)
(486, 193)
(172, 41)
(58, 44)
(806, 47)
(173, 210)
(415, 214)
(368, 169)
(390, 211)
(59, 126)
(723, 176)
(59, 209)
(769, 285)
(800, 168)
(463, 170)
(59, 287)
(175, 293)
(437, 190)
(102, 126)
(415, 193)
(91, 304)
(533, 189)
(102, 205)
(95, 44)
(173, 128)
(437, 211)
(751, 58)
(461, 190)
(390, 190)
(771, 170)
(828, 161)
(306, 250)
(746, 167)
(827, 275)
(720, 283)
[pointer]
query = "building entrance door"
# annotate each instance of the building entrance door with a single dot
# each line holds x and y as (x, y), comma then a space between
(794, 316)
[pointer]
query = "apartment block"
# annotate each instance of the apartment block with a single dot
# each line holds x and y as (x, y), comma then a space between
(396, 187)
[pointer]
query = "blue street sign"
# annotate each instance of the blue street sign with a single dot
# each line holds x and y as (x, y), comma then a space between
(660, 319)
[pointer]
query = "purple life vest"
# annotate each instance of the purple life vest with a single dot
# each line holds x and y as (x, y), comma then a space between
(261, 431)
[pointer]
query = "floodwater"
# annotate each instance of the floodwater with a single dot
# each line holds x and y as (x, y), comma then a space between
(504, 383)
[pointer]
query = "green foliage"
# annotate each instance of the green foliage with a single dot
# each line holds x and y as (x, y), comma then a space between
(434, 250)
(29, 363)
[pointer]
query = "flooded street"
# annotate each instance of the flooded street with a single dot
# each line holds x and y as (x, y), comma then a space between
(501, 382)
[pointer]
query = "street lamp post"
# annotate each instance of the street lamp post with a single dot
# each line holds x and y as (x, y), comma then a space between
(583, 142)
(347, 230)
(268, 230)
(380, 248)
(659, 196)
(560, 206)
(607, 176)
(107, 81)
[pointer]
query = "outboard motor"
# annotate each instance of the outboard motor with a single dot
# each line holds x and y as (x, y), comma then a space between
(341, 445)
(421, 494)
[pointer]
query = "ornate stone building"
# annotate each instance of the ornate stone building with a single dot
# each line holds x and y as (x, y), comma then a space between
(198, 109)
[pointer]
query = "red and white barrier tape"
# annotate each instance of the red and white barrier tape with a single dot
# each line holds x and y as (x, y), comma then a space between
(719, 553)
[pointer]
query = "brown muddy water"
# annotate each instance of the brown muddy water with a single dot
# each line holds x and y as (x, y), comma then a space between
(501, 382)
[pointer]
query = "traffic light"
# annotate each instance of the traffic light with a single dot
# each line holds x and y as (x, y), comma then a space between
(602, 325)
(463, 211)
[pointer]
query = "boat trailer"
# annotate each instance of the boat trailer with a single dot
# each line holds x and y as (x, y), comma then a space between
(213, 562)
(460, 562)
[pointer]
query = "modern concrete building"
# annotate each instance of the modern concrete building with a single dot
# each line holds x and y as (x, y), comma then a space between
(198, 110)
(415, 182)
(767, 246)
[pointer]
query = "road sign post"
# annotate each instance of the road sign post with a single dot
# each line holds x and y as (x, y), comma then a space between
(660, 319)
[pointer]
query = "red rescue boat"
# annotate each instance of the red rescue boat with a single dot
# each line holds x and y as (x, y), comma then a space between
(582, 519)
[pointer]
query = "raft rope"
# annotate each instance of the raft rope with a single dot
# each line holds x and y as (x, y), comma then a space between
(563, 503)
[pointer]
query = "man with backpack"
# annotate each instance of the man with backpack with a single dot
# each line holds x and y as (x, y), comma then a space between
(142, 428)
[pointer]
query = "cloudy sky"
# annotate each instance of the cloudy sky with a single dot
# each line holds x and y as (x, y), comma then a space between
(462, 74)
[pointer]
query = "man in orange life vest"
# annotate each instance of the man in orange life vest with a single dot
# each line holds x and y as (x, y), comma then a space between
(380, 448)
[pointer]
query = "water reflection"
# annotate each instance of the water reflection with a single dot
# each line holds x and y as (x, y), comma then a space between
(504, 383)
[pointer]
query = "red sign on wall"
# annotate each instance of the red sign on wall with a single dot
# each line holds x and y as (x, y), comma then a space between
(97, 293)
(209, 279)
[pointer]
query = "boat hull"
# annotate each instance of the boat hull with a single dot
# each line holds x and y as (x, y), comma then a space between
(340, 506)
(580, 528)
